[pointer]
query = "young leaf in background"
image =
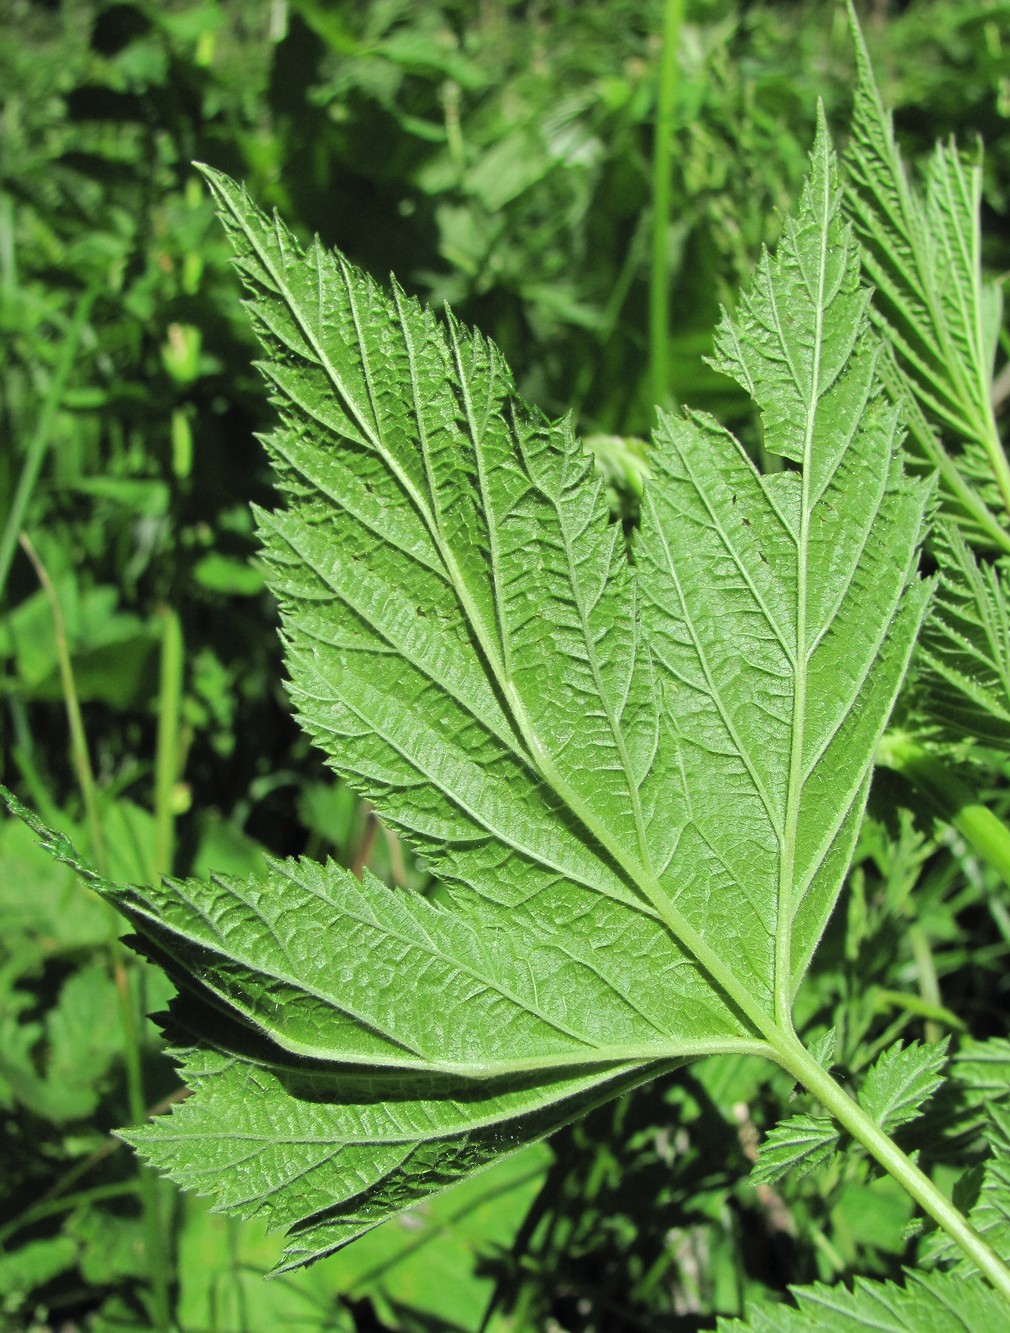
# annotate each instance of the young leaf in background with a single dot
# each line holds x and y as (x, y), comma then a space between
(940, 319)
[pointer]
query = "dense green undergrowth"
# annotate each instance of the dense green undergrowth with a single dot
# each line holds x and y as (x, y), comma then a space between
(127, 374)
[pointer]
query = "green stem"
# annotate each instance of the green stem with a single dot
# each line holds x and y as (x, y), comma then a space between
(805, 1069)
(8, 263)
(155, 1240)
(1001, 917)
(116, 1189)
(21, 754)
(39, 443)
(166, 759)
(933, 1013)
(662, 158)
(929, 983)
(154, 1235)
(950, 799)
(833, 1259)
(78, 741)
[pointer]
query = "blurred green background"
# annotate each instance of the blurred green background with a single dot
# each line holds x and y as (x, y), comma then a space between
(503, 157)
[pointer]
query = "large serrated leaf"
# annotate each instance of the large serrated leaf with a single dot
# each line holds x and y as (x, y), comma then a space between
(641, 784)
(329, 1157)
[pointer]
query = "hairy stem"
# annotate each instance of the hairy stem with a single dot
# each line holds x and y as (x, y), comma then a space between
(800, 1063)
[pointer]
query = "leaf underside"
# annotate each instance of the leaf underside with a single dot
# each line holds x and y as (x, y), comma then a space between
(639, 784)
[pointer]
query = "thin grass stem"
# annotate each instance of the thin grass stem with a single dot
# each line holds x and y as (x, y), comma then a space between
(156, 1241)
(167, 753)
(662, 197)
(42, 436)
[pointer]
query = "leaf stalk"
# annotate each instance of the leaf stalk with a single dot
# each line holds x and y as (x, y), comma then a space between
(798, 1062)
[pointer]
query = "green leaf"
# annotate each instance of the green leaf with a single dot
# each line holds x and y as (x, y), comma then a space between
(790, 561)
(639, 784)
(989, 1215)
(940, 318)
(931, 1303)
(982, 1069)
(988, 1204)
(315, 960)
(33, 1265)
(978, 1078)
(84, 1040)
(44, 909)
(965, 648)
(797, 1145)
(328, 1154)
(901, 1080)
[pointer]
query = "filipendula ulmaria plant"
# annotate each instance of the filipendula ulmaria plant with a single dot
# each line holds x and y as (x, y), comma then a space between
(639, 782)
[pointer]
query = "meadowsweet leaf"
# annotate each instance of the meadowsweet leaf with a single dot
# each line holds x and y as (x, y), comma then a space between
(795, 1146)
(940, 319)
(964, 654)
(639, 783)
(314, 959)
(329, 1155)
(923, 253)
(789, 560)
(928, 1303)
(901, 1081)
(328, 1093)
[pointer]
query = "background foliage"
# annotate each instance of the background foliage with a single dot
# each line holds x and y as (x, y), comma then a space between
(497, 156)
